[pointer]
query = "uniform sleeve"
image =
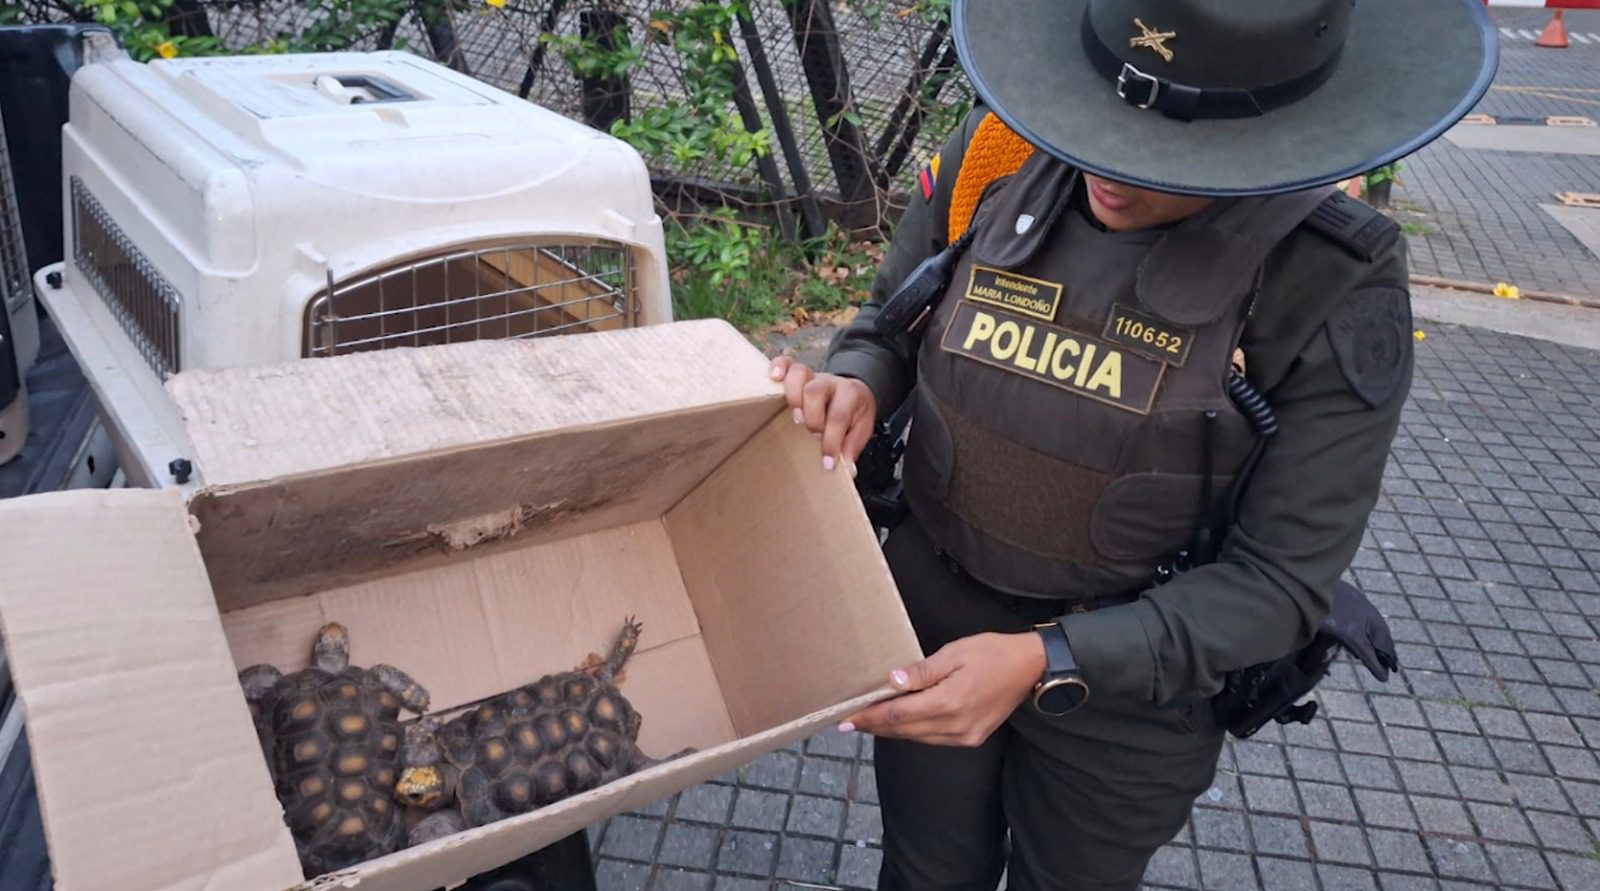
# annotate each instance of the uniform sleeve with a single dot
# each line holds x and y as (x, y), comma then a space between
(1299, 525)
(888, 365)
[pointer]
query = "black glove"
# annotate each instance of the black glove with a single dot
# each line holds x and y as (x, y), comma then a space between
(1358, 626)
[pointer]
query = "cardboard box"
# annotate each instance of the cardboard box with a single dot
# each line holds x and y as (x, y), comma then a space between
(477, 514)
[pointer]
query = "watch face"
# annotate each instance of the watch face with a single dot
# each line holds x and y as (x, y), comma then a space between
(1061, 696)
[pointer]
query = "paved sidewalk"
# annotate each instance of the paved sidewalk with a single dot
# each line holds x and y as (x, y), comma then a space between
(1474, 769)
(1475, 214)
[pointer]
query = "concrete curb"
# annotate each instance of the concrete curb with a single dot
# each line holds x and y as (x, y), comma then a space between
(1481, 288)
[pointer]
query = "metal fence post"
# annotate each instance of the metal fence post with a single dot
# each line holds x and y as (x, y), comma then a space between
(817, 39)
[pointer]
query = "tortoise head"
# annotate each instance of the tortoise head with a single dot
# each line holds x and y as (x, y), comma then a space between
(331, 652)
(428, 780)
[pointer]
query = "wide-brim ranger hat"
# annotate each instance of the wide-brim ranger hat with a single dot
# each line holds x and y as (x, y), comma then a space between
(1227, 97)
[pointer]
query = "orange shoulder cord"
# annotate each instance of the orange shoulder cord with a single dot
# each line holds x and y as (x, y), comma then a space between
(994, 151)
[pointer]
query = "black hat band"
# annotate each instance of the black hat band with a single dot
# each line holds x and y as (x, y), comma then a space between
(1184, 102)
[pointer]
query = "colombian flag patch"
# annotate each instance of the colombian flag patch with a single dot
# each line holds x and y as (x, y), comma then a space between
(929, 176)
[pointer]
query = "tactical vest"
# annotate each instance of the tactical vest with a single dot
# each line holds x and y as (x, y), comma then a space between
(1071, 402)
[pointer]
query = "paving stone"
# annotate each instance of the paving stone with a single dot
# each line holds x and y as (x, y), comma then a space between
(1371, 771)
(755, 809)
(1560, 832)
(1270, 795)
(1286, 875)
(1575, 763)
(1519, 867)
(1221, 869)
(682, 880)
(1425, 779)
(631, 838)
(1315, 764)
(1542, 793)
(864, 823)
(1482, 784)
(1442, 815)
(775, 770)
(1219, 829)
(705, 803)
(1501, 823)
(1459, 859)
(858, 867)
(1338, 843)
(615, 875)
(687, 844)
(810, 815)
(1396, 850)
(1253, 757)
(1173, 866)
(1390, 881)
(1384, 809)
(805, 859)
(747, 853)
(1575, 873)
(734, 883)
(1283, 836)
(1328, 802)
(1520, 756)
(825, 776)
(1345, 878)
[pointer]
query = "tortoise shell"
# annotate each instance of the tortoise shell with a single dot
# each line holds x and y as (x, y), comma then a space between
(331, 735)
(561, 735)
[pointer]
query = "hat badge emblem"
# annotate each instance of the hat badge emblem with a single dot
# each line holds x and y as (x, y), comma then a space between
(1024, 223)
(1152, 39)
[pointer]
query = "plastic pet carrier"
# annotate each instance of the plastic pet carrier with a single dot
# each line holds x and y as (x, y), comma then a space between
(251, 210)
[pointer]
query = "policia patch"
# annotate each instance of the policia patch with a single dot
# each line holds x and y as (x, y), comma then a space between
(1371, 339)
(1080, 364)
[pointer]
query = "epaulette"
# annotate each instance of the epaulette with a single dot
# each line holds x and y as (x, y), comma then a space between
(1352, 225)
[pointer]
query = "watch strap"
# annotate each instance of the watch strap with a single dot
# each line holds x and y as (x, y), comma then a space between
(1058, 658)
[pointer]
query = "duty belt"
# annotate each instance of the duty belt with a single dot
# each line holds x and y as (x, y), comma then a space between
(1036, 608)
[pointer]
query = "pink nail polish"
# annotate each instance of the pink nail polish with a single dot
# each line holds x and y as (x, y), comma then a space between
(847, 727)
(799, 416)
(827, 462)
(899, 677)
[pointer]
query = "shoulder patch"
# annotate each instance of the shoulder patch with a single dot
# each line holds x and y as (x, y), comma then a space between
(1353, 225)
(1371, 338)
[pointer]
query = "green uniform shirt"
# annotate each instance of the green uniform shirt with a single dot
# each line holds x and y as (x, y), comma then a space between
(1304, 513)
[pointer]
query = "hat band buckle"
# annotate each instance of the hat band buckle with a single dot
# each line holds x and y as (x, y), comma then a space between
(1129, 72)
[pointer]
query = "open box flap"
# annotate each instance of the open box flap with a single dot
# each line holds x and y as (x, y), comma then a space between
(268, 423)
(142, 744)
(414, 456)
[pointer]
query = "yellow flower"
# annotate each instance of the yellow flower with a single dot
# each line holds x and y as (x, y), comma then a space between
(166, 49)
(1509, 292)
(1418, 334)
(497, 4)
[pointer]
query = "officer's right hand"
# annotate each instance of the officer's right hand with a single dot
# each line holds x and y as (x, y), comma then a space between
(841, 409)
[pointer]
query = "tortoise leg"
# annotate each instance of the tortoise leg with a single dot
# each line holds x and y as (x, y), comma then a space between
(621, 650)
(640, 760)
(257, 680)
(437, 825)
(410, 693)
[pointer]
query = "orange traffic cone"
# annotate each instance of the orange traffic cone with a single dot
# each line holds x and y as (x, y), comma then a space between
(1555, 34)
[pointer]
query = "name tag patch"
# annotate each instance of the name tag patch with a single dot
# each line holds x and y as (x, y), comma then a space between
(1084, 365)
(1018, 293)
(1149, 336)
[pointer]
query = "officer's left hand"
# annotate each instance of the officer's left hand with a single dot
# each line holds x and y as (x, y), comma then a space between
(960, 694)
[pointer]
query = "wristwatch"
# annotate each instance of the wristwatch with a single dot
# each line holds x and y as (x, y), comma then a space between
(1062, 688)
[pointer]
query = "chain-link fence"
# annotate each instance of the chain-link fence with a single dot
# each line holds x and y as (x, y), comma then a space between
(848, 97)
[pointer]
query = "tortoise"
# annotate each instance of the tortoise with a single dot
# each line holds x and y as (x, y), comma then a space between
(563, 734)
(332, 738)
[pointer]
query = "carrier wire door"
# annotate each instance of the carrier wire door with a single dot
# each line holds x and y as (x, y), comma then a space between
(529, 288)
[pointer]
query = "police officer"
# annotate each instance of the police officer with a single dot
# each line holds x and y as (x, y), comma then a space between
(1144, 269)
